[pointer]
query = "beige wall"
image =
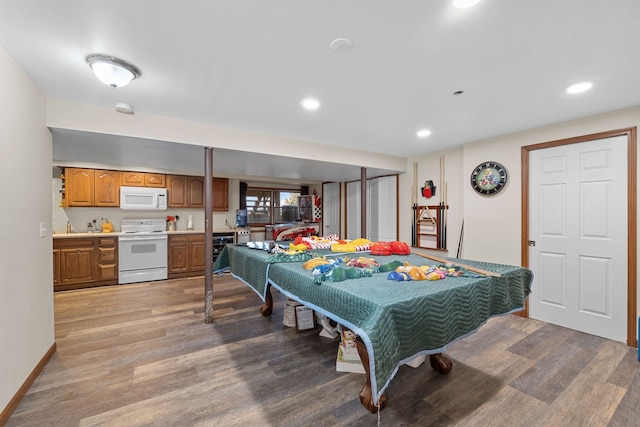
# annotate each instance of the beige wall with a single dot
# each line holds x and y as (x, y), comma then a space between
(428, 168)
(492, 225)
(26, 291)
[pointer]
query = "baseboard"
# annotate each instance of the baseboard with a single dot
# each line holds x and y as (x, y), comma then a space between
(17, 398)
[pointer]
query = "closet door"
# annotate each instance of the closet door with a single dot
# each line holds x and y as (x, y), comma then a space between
(331, 208)
(353, 210)
(382, 209)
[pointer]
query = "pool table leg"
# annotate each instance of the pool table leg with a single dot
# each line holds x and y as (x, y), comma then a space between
(267, 308)
(366, 396)
(441, 363)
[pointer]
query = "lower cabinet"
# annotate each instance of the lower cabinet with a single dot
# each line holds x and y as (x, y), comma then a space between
(84, 262)
(107, 258)
(186, 255)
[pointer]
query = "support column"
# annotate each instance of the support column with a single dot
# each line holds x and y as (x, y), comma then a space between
(363, 202)
(208, 235)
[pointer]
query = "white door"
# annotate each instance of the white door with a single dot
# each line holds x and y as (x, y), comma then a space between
(578, 221)
(331, 208)
(354, 205)
(382, 209)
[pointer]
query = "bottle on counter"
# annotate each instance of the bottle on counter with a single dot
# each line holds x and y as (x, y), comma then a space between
(89, 228)
(68, 227)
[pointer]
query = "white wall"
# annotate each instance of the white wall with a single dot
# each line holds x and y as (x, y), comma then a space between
(428, 169)
(26, 289)
(492, 225)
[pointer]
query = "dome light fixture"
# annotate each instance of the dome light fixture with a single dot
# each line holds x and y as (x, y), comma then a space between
(112, 71)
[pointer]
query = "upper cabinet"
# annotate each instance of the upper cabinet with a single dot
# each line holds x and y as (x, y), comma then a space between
(143, 179)
(177, 191)
(195, 192)
(188, 192)
(97, 187)
(79, 186)
(220, 194)
(107, 188)
(89, 187)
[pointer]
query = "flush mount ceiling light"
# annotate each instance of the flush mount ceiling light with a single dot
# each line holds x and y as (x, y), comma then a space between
(310, 104)
(463, 4)
(579, 88)
(112, 71)
(423, 133)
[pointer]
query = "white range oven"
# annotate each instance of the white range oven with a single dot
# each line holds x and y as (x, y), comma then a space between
(142, 250)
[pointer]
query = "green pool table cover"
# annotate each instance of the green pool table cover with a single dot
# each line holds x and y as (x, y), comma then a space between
(397, 321)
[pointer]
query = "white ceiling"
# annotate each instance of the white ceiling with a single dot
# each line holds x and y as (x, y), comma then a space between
(246, 64)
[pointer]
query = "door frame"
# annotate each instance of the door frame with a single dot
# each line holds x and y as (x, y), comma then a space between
(630, 133)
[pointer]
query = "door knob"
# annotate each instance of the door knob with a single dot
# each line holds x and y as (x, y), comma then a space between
(532, 242)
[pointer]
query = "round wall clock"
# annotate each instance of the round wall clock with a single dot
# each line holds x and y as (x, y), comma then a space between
(488, 178)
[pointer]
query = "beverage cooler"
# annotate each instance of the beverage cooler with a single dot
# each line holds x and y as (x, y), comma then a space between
(310, 208)
(219, 242)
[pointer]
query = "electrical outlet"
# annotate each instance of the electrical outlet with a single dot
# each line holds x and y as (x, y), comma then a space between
(43, 229)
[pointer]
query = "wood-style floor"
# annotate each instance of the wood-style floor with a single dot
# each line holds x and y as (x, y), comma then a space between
(141, 354)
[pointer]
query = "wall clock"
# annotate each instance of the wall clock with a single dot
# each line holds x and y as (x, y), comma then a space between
(488, 178)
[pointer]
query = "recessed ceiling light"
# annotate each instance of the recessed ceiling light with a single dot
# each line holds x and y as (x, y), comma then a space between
(579, 88)
(463, 4)
(310, 104)
(423, 133)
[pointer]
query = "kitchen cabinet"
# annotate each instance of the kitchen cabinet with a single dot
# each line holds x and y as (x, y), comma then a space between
(101, 188)
(91, 187)
(79, 187)
(220, 194)
(106, 188)
(195, 192)
(177, 191)
(188, 192)
(155, 180)
(80, 262)
(186, 255)
(143, 179)
(107, 253)
(185, 191)
(77, 260)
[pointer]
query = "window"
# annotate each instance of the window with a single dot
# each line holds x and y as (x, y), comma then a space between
(271, 205)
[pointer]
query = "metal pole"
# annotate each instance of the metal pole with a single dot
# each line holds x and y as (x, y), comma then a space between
(208, 235)
(363, 202)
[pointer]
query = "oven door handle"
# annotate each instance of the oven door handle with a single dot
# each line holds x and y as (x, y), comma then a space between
(142, 238)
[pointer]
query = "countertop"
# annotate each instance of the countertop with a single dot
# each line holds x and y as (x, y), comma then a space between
(117, 233)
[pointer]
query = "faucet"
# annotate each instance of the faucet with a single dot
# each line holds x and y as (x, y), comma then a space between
(226, 222)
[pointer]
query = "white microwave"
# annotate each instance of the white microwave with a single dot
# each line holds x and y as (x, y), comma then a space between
(143, 198)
